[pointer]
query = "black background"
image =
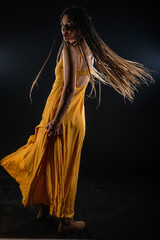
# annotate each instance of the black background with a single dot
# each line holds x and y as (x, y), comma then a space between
(118, 189)
(119, 135)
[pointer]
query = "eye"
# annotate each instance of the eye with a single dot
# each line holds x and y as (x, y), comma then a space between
(67, 26)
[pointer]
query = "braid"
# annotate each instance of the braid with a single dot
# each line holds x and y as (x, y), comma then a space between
(109, 68)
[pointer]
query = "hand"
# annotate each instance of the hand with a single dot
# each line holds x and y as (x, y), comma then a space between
(53, 128)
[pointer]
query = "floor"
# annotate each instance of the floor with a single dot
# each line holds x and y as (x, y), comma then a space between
(115, 205)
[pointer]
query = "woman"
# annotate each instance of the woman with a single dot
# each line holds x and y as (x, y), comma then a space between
(47, 166)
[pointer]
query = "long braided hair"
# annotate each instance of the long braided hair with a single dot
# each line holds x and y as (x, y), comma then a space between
(109, 68)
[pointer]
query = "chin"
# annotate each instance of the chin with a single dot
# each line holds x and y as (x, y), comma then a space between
(68, 39)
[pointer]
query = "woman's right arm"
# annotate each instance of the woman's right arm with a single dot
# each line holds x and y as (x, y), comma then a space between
(70, 68)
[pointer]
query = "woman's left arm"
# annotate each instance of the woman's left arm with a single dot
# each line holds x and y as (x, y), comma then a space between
(70, 67)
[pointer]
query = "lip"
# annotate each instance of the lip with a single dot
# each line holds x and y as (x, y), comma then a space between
(65, 35)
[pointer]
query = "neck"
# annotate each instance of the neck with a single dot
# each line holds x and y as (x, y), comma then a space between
(74, 42)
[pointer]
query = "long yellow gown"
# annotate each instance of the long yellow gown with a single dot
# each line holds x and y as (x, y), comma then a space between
(47, 168)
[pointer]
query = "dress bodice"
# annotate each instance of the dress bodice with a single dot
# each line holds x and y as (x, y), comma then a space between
(59, 71)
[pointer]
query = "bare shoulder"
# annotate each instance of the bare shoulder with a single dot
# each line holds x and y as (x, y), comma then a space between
(70, 56)
(69, 50)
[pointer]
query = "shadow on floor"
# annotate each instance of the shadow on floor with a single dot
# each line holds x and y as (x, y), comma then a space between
(114, 206)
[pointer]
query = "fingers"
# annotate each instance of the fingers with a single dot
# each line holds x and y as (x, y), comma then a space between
(52, 130)
(52, 134)
(49, 127)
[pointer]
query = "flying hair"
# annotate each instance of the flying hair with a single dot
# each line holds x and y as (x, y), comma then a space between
(123, 75)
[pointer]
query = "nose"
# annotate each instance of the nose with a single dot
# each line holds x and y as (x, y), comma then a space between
(63, 29)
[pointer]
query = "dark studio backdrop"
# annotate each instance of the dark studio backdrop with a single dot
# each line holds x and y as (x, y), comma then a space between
(119, 136)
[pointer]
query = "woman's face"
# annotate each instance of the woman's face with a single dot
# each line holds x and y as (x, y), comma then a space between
(67, 29)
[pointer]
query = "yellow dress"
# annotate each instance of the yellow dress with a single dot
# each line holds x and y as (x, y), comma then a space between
(47, 168)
